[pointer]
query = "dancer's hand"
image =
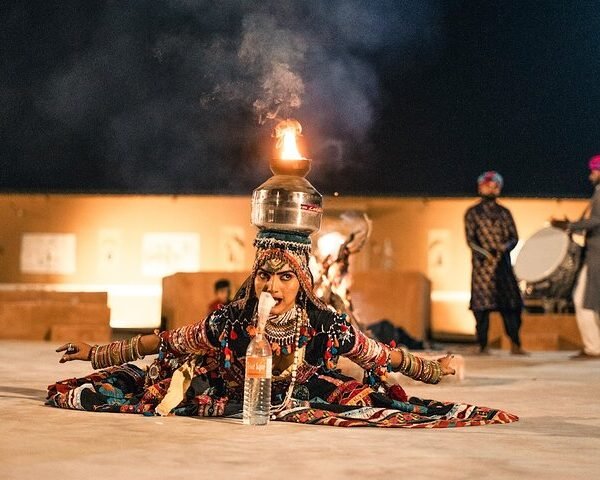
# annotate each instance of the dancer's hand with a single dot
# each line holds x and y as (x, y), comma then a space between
(74, 351)
(445, 364)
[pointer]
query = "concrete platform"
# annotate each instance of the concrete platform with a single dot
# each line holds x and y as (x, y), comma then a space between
(558, 436)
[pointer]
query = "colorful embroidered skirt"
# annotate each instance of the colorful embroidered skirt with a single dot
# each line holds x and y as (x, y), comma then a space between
(331, 399)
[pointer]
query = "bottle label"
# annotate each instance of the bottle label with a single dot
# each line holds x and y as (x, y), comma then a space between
(258, 367)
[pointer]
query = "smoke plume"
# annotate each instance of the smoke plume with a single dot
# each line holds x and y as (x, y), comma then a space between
(180, 96)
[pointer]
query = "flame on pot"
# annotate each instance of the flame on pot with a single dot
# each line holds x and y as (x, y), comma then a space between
(286, 133)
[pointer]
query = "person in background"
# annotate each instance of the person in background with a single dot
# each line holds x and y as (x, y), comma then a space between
(222, 295)
(586, 296)
(491, 235)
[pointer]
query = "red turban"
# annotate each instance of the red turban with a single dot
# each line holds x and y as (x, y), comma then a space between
(594, 162)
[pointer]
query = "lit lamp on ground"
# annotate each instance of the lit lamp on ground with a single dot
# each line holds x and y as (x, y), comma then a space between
(287, 201)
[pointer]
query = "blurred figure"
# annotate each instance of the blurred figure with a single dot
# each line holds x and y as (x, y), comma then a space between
(386, 332)
(491, 235)
(222, 291)
(586, 296)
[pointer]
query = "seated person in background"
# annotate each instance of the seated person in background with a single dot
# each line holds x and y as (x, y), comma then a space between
(222, 295)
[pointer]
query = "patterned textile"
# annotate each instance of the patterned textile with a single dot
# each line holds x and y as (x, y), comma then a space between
(185, 340)
(368, 352)
(322, 395)
(115, 389)
(458, 415)
(491, 235)
(212, 354)
(333, 399)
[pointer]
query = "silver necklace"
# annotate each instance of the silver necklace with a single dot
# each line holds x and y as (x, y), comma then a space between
(300, 320)
(281, 329)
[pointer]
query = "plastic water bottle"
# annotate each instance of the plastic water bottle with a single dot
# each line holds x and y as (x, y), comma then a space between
(257, 387)
(259, 363)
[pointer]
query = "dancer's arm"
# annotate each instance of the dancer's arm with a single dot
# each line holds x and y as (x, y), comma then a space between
(193, 338)
(376, 358)
(147, 345)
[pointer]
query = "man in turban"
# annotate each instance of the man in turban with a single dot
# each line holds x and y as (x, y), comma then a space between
(491, 235)
(586, 295)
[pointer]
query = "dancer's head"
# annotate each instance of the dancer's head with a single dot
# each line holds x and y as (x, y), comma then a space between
(281, 268)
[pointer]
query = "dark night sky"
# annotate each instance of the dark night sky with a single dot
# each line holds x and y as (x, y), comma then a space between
(396, 98)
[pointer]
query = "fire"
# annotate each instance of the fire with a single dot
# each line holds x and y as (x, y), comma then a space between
(286, 132)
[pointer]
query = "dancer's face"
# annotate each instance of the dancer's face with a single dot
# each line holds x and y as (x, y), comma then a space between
(277, 278)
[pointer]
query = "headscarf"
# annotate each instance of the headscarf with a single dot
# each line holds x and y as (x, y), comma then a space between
(491, 176)
(291, 247)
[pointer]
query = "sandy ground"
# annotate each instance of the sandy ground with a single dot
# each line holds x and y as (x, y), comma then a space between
(558, 436)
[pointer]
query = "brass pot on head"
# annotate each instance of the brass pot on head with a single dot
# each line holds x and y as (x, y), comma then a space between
(287, 201)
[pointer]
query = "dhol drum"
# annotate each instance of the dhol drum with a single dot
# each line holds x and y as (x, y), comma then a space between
(547, 264)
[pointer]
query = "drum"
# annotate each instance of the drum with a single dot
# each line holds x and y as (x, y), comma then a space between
(547, 264)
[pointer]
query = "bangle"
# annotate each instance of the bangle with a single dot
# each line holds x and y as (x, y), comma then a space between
(91, 352)
(135, 347)
(115, 353)
(92, 356)
(417, 368)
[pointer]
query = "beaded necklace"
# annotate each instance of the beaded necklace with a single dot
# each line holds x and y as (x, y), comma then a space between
(299, 321)
(282, 329)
